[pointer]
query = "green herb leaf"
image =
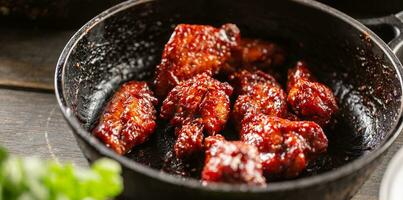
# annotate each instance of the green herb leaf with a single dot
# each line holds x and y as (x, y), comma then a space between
(33, 179)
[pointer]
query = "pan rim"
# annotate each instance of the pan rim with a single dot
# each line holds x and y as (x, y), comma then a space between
(300, 183)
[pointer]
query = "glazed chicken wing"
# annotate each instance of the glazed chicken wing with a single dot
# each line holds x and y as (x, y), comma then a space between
(255, 54)
(129, 117)
(261, 53)
(309, 99)
(194, 49)
(258, 93)
(285, 146)
(232, 162)
(193, 106)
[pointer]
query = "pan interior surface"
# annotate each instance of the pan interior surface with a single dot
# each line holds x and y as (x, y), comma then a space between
(128, 46)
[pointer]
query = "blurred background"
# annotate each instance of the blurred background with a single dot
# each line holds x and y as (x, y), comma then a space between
(32, 35)
(51, 13)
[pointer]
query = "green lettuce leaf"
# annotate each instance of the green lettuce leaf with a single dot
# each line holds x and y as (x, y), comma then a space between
(33, 179)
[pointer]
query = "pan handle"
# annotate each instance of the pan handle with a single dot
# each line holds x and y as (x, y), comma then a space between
(392, 25)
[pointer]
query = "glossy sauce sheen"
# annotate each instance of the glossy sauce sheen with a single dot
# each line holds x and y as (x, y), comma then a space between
(196, 105)
(194, 49)
(232, 162)
(309, 99)
(253, 54)
(261, 53)
(273, 143)
(285, 146)
(259, 93)
(129, 118)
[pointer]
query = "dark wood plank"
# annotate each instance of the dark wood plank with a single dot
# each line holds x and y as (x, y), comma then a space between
(33, 125)
(28, 56)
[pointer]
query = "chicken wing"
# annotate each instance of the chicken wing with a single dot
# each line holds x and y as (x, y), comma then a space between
(258, 93)
(309, 99)
(196, 105)
(194, 49)
(232, 162)
(285, 146)
(129, 118)
(254, 54)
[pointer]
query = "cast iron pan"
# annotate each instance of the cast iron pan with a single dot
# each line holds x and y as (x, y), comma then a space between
(389, 28)
(380, 17)
(126, 41)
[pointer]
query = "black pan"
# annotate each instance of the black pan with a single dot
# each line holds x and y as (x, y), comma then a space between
(126, 41)
(389, 28)
(380, 17)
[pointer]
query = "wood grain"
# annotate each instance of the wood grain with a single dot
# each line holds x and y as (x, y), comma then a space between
(28, 56)
(31, 124)
(370, 189)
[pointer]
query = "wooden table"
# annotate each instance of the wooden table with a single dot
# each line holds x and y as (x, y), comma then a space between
(30, 120)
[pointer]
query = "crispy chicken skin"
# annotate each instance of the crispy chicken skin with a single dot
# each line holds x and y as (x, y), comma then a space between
(232, 162)
(189, 138)
(258, 93)
(285, 146)
(196, 105)
(254, 54)
(309, 99)
(244, 80)
(129, 118)
(194, 49)
(280, 131)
